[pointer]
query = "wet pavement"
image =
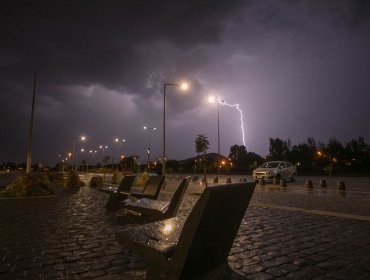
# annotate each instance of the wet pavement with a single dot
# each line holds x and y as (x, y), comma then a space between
(287, 233)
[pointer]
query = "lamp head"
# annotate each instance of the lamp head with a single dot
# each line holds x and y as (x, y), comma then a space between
(184, 86)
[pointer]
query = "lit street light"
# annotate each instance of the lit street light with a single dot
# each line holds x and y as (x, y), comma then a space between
(150, 130)
(184, 87)
(82, 138)
(212, 99)
(119, 141)
(93, 152)
(103, 148)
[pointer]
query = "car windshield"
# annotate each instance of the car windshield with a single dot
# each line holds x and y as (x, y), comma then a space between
(270, 165)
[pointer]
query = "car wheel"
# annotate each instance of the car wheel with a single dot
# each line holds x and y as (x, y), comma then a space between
(292, 178)
(277, 177)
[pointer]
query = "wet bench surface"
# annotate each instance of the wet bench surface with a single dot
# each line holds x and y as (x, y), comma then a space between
(204, 239)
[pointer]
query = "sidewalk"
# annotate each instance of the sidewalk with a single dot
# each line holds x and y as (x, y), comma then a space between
(286, 234)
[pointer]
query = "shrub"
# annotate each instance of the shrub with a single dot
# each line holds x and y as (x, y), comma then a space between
(96, 181)
(117, 177)
(28, 186)
(141, 178)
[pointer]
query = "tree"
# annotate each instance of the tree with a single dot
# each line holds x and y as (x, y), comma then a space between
(279, 149)
(105, 160)
(355, 154)
(239, 157)
(201, 146)
(130, 163)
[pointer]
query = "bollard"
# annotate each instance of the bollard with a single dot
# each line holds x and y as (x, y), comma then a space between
(275, 181)
(323, 183)
(228, 180)
(341, 186)
(283, 183)
(261, 182)
(309, 184)
(215, 180)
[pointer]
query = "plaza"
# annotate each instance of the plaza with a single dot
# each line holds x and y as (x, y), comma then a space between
(287, 233)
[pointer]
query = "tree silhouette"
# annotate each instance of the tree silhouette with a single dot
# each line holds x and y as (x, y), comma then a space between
(201, 146)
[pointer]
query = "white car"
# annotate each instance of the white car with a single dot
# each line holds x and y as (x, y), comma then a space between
(275, 169)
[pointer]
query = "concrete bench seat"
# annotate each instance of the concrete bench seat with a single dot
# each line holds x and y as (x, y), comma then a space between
(118, 194)
(158, 209)
(151, 189)
(196, 247)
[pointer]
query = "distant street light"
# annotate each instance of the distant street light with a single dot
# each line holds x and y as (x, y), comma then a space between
(82, 138)
(150, 130)
(184, 87)
(93, 152)
(119, 141)
(103, 148)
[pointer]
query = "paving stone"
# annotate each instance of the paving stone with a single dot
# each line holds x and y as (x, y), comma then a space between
(93, 274)
(260, 276)
(276, 271)
(74, 238)
(251, 269)
(308, 272)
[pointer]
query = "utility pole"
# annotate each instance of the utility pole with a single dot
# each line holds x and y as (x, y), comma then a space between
(29, 151)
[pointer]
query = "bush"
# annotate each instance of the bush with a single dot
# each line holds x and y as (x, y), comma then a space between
(117, 177)
(96, 181)
(73, 181)
(141, 178)
(28, 186)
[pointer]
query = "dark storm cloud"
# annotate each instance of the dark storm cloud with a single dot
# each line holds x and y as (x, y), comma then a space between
(297, 69)
(79, 42)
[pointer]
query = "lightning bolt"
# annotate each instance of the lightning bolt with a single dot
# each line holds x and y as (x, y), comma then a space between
(236, 105)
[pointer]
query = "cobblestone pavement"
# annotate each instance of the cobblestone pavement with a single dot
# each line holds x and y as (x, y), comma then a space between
(286, 234)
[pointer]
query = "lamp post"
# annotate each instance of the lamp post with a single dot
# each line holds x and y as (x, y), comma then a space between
(150, 130)
(93, 152)
(119, 141)
(212, 99)
(82, 151)
(70, 159)
(103, 148)
(82, 138)
(183, 86)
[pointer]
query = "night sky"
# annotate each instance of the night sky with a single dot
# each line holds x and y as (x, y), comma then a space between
(297, 69)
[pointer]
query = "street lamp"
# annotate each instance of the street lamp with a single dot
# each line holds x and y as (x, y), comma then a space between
(82, 138)
(184, 87)
(119, 141)
(93, 152)
(150, 130)
(212, 99)
(103, 148)
(82, 151)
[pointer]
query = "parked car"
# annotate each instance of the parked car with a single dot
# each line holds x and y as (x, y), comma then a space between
(275, 169)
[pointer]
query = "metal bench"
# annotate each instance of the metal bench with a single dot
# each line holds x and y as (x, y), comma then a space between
(196, 247)
(153, 210)
(118, 194)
